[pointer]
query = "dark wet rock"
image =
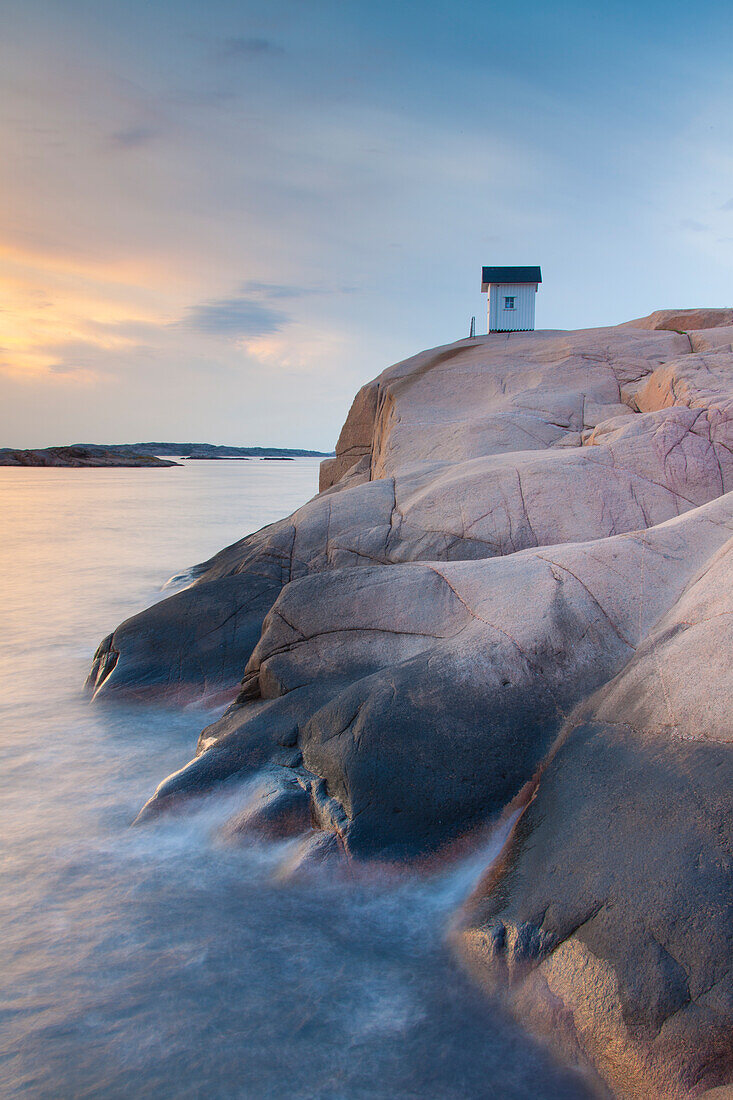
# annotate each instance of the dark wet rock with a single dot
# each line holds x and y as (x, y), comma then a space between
(311, 852)
(278, 807)
(105, 659)
(192, 644)
(227, 751)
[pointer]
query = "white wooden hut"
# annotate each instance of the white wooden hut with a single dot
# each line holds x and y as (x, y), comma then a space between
(511, 292)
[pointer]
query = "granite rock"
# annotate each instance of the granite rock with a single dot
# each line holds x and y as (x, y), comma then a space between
(511, 600)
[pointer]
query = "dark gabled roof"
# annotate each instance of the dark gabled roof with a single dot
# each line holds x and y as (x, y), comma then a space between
(509, 275)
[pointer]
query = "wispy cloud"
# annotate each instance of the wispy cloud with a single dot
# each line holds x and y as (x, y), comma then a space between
(63, 368)
(234, 318)
(133, 137)
(244, 47)
(275, 290)
(301, 350)
(694, 226)
(248, 313)
(271, 291)
(727, 205)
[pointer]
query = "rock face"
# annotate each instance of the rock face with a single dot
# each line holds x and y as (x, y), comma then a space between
(79, 455)
(684, 320)
(354, 446)
(611, 915)
(514, 584)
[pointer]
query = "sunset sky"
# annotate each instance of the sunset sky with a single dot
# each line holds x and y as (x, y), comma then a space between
(218, 219)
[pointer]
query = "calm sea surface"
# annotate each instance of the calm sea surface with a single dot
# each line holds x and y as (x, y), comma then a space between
(157, 961)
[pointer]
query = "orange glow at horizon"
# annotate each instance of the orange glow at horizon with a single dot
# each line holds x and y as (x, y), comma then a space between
(52, 302)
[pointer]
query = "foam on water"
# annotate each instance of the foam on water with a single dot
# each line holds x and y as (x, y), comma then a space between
(159, 960)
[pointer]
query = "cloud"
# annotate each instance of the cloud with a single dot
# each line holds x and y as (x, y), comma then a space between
(301, 350)
(133, 137)
(694, 226)
(281, 290)
(235, 48)
(248, 314)
(243, 316)
(275, 290)
(126, 331)
(80, 360)
(63, 368)
(727, 205)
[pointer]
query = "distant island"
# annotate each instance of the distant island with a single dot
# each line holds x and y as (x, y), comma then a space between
(213, 450)
(80, 455)
(141, 454)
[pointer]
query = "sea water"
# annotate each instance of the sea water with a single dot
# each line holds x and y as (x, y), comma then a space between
(158, 961)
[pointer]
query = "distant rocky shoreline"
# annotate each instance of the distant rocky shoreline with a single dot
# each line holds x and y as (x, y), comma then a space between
(142, 454)
(215, 450)
(511, 601)
(78, 456)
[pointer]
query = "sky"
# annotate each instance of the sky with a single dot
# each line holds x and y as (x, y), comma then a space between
(217, 220)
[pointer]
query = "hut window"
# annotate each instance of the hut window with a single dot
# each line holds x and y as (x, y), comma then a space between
(509, 303)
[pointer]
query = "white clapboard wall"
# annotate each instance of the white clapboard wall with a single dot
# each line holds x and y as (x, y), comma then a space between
(519, 319)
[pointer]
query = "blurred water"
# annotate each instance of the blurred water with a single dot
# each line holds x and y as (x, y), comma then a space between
(158, 961)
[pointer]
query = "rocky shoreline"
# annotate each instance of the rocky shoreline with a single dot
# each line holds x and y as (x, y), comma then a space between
(513, 592)
(80, 456)
(212, 450)
(143, 454)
